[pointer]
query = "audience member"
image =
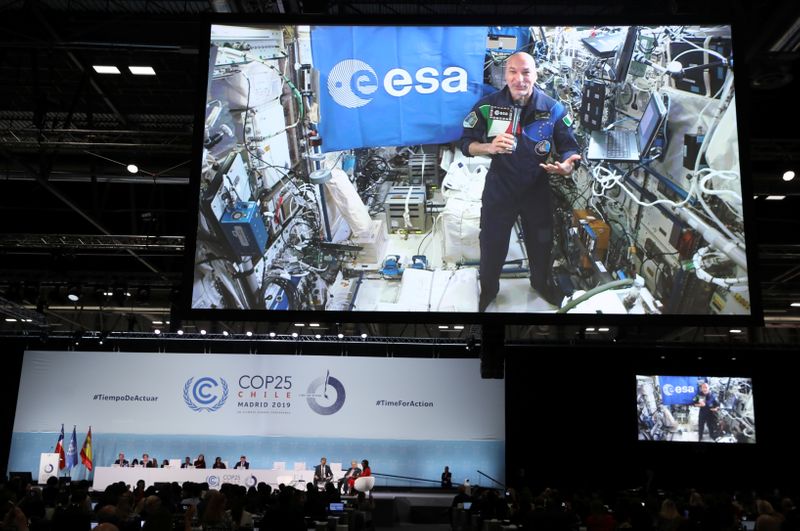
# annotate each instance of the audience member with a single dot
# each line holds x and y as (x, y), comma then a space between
(669, 519)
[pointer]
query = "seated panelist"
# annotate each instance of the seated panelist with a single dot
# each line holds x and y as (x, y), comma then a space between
(322, 474)
(242, 463)
(350, 477)
(121, 461)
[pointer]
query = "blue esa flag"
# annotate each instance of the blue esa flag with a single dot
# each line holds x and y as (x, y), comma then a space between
(396, 86)
(677, 389)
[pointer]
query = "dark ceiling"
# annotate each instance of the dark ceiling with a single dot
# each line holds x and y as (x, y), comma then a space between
(71, 213)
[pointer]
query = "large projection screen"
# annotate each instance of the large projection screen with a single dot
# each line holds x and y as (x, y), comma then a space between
(408, 417)
(698, 409)
(352, 169)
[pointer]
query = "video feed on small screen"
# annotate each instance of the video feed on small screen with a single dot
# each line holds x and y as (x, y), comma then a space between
(526, 169)
(707, 409)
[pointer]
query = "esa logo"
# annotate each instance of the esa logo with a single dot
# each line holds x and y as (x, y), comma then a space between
(670, 389)
(353, 83)
(205, 393)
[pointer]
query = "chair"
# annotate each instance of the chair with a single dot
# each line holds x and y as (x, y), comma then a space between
(364, 484)
(279, 465)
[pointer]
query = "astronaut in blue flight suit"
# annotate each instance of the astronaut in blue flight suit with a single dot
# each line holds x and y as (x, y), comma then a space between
(521, 129)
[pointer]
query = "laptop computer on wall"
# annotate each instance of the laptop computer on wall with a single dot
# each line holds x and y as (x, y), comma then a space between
(626, 145)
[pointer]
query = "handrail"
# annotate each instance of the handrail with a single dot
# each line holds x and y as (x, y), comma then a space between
(490, 477)
(406, 477)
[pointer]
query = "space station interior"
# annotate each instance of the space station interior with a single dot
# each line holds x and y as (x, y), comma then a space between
(285, 225)
(734, 418)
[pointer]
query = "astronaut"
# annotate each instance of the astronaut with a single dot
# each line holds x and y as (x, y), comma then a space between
(528, 135)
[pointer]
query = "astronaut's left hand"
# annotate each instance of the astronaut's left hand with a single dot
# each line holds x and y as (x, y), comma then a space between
(562, 168)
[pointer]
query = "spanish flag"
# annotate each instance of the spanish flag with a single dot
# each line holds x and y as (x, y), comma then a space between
(86, 450)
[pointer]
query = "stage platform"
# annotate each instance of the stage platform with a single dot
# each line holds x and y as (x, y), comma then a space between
(417, 506)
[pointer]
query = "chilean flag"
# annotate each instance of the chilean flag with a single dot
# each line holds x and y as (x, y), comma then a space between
(62, 462)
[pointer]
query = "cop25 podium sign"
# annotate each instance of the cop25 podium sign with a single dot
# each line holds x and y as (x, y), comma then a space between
(396, 86)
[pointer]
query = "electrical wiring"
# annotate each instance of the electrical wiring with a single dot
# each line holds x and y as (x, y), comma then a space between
(288, 287)
(707, 174)
(611, 179)
(701, 260)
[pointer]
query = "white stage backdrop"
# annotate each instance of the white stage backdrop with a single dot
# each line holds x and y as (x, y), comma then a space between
(409, 417)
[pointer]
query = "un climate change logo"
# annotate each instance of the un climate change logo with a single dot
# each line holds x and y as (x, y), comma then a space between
(204, 395)
(351, 83)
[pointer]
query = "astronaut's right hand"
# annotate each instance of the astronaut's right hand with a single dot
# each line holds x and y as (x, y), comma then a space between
(502, 144)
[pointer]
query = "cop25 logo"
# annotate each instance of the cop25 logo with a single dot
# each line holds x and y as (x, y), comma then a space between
(353, 83)
(205, 394)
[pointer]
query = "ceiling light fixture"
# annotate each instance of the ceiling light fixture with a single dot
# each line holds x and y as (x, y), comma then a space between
(775, 197)
(788, 175)
(74, 293)
(106, 69)
(142, 70)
